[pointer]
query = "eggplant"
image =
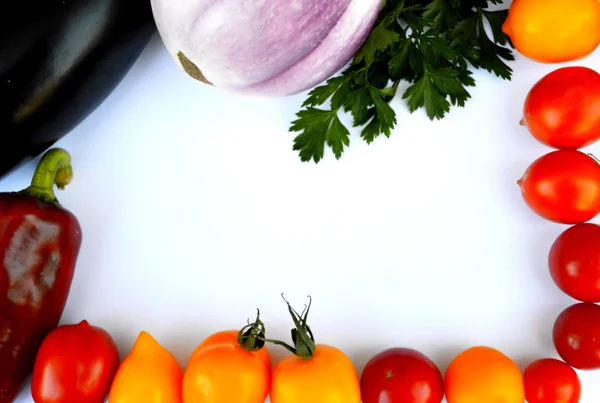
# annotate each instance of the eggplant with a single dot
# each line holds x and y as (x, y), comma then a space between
(59, 60)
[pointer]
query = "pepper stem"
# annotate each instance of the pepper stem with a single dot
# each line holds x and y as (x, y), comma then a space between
(302, 337)
(251, 337)
(54, 168)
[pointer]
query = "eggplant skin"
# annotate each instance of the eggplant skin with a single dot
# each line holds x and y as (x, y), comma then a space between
(59, 60)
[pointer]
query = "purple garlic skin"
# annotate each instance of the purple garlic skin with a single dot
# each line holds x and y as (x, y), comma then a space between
(268, 47)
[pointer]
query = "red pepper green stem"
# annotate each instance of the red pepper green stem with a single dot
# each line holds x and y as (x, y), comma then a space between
(54, 168)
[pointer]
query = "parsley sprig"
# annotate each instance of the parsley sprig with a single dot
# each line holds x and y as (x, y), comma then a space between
(430, 44)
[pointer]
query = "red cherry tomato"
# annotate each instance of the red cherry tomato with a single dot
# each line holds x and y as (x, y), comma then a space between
(75, 364)
(574, 262)
(576, 336)
(562, 110)
(563, 186)
(551, 381)
(401, 375)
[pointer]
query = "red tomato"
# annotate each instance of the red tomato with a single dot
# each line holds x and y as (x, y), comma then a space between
(574, 262)
(401, 375)
(576, 336)
(551, 381)
(563, 186)
(562, 110)
(75, 364)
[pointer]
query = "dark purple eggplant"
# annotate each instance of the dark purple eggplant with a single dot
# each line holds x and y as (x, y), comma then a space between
(59, 60)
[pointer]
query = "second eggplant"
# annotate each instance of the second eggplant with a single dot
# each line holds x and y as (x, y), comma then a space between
(59, 60)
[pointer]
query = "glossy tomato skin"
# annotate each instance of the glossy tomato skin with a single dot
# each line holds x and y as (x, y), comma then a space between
(229, 337)
(483, 374)
(75, 364)
(551, 381)
(574, 262)
(221, 370)
(576, 336)
(149, 373)
(328, 377)
(562, 110)
(553, 31)
(401, 375)
(563, 186)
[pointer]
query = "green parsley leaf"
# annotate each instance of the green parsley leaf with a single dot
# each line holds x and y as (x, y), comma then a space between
(319, 127)
(319, 95)
(358, 102)
(436, 49)
(433, 45)
(423, 93)
(379, 40)
(385, 113)
(337, 136)
(399, 64)
(491, 57)
(339, 98)
(496, 20)
(435, 12)
(372, 130)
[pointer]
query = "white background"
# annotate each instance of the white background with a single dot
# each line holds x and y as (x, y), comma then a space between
(196, 211)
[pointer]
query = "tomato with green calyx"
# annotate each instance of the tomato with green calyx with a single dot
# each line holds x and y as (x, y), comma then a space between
(75, 364)
(563, 186)
(576, 336)
(551, 381)
(401, 375)
(229, 366)
(574, 262)
(562, 110)
(315, 373)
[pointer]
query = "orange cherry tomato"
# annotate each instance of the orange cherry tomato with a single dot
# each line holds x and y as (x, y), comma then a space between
(553, 31)
(149, 373)
(316, 373)
(483, 374)
(229, 366)
(327, 377)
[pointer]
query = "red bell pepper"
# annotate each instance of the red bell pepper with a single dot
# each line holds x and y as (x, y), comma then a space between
(39, 245)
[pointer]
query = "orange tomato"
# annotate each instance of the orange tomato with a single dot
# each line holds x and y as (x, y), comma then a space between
(229, 337)
(316, 373)
(229, 366)
(149, 373)
(327, 377)
(483, 374)
(553, 31)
